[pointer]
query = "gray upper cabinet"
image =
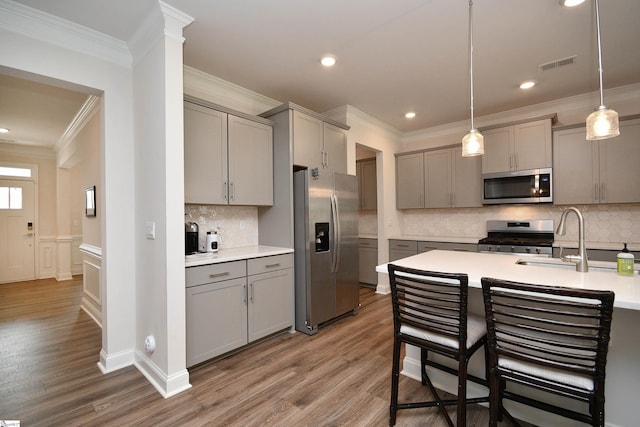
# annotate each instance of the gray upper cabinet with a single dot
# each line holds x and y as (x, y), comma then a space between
(438, 179)
(604, 171)
(410, 181)
(367, 186)
(228, 159)
(318, 143)
(250, 162)
(205, 155)
(520, 146)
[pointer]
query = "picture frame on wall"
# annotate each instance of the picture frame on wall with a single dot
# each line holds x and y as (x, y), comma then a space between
(90, 201)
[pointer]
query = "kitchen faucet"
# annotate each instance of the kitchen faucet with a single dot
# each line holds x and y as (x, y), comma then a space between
(581, 258)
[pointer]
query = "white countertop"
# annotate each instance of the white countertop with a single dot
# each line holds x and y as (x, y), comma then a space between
(478, 265)
(234, 254)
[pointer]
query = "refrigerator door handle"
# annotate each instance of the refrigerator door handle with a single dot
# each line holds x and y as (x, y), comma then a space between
(335, 216)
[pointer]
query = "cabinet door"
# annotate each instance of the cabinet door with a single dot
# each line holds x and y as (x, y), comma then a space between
(367, 261)
(368, 186)
(335, 148)
(575, 168)
(271, 305)
(437, 179)
(532, 145)
(250, 162)
(619, 168)
(410, 181)
(205, 155)
(307, 137)
(216, 319)
(498, 156)
(466, 180)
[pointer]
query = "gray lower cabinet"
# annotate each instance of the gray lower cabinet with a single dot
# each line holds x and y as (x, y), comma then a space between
(368, 260)
(231, 304)
(216, 310)
(447, 246)
(270, 295)
(399, 249)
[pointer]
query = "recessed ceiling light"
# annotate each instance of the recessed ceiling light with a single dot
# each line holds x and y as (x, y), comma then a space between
(328, 61)
(571, 3)
(410, 115)
(4, 130)
(527, 85)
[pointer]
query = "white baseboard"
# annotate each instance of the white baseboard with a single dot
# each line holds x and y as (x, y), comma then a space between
(113, 362)
(167, 386)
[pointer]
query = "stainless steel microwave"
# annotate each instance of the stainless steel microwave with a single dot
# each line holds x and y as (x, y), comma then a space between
(525, 186)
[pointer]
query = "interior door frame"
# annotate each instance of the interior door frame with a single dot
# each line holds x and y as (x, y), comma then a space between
(36, 208)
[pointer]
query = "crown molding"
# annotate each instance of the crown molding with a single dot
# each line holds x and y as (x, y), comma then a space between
(586, 101)
(367, 120)
(82, 117)
(162, 21)
(51, 29)
(213, 89)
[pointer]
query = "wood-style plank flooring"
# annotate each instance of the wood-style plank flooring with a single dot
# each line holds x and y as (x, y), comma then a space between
(49, 376)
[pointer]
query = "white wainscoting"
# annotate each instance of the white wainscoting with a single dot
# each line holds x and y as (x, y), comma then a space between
(46, 267)
(92, 281)
(76, 256)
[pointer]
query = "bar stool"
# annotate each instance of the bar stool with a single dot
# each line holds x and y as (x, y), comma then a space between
(552, 339)
(430, 312)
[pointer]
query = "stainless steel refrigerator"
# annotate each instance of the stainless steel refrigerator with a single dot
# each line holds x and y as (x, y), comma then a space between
(326, 247)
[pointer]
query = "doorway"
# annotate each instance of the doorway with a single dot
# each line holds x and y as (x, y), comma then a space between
(17, 230)
(366, 171)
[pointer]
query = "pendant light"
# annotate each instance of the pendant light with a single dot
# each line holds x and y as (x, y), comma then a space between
(473, 142)
(603, 122)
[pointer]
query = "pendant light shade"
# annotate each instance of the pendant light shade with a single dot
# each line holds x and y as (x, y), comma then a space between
(473, 142)
(603, 122)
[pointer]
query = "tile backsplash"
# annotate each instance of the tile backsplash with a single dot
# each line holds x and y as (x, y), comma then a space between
(604, 224)
(237, 225)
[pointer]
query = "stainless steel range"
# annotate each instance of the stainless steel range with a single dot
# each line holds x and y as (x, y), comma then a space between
(533, 237)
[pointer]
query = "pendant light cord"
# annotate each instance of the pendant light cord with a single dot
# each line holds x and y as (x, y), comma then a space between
(471, 57)
(599, 52)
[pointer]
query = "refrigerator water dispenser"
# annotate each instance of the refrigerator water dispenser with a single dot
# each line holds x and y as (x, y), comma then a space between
(322, 236)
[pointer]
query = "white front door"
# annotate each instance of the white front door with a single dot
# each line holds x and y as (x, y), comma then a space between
(17, 231)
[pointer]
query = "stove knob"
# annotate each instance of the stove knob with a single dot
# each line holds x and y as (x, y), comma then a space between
(513, 248)
(537, 250)
(528, 250)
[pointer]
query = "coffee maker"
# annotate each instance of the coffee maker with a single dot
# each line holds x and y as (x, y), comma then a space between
(190, 238)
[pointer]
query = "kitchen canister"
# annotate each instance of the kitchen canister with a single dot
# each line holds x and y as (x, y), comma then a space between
(625, 262)
(212, 241)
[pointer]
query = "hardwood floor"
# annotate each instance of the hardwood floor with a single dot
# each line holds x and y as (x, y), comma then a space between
(49, 351)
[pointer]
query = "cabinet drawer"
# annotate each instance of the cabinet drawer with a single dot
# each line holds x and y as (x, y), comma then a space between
(447, 246)
(215, 272)
(269, 263)
(368, 243)
(403, 245)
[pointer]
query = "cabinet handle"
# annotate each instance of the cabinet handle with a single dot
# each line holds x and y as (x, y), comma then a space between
(515, 161)
(403, 246)
(603, 194)
(224, 190)
(231, 191)
(596, 193)
(326, 162)
(251, 289)
(213, 275)
(272, 265)
(244, 299)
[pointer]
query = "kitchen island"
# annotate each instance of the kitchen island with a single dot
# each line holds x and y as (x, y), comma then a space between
(623, 373)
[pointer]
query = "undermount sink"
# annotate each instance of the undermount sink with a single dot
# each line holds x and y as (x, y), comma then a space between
(603, 266)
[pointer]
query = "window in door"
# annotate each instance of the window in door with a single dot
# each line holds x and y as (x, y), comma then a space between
(10, 198)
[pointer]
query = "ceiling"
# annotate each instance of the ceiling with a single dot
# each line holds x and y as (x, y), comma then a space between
(392, 56)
